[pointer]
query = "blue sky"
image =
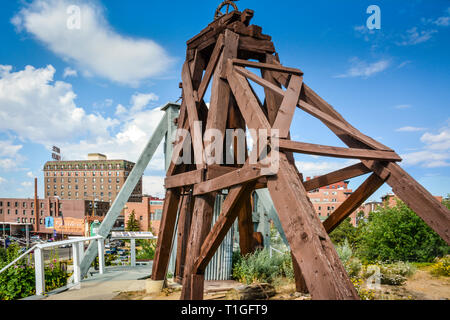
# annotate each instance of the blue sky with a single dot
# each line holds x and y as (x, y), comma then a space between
(99, 88)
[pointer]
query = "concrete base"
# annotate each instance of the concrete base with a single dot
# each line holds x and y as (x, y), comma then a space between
(152, 286)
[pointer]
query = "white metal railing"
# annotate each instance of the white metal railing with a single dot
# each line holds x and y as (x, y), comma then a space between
(77, 253)
(274, 249)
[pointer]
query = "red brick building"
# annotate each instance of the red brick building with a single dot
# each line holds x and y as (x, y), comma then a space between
(148, 213)
(327, 199)
(16, 213)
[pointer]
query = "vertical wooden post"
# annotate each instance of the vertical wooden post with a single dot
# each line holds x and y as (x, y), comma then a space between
(184, 225)
(245, 223)
(165, 235)
(201, 224)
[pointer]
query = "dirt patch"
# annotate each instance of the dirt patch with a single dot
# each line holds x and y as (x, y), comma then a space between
(421, 286)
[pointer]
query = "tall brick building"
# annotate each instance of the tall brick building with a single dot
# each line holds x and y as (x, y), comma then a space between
(327, 199)
(94, 179)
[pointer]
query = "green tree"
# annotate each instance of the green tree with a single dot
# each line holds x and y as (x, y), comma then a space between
(397, 233)
(132, 223)
(344, 231)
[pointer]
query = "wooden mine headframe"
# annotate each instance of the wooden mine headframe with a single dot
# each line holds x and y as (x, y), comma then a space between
(221, 53)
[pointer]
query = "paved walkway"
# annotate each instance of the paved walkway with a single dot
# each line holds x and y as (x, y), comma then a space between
(105, 287)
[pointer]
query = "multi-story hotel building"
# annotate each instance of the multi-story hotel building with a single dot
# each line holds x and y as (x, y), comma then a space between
(97, 179)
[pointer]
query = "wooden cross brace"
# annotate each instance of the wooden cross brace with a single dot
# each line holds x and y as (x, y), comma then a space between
(221, 53)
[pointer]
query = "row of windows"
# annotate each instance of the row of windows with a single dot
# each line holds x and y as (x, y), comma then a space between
(328, 208)
(84, 187)
(87, 166)
(76, 194)
(333, 193)
(85, 174)
(24, 212)
(94, 180)
(323, 200)
(17, 204)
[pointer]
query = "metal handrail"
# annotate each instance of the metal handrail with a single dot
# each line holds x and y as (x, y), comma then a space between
(77, 253)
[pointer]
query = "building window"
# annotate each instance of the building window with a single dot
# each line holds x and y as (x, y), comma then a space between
(141, 218)
(18, 220)
(55, 194)
(8, 211)
(62, 180)
(24, 212)
(93, 180)
(117, 180)
(69, 180)
(117, 173)
(17, 212)
(40, 221)
(76, 187)
(16, 204)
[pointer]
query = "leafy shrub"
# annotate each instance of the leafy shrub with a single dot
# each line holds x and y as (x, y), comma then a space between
(390, 273)
(398, 234)
(442, 266)
(351, 263)
(148, 250)
(260, 267)
(18, 281)
(364, 293)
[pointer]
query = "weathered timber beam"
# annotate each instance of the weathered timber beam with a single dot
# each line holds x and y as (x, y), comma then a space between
(230, 210)
(427, 207)
(263, 82)
(255, 45)
(353, 171)
(286, 111)
(266, 66)
(210, 68)
(324, 274)
(191, 105)
(238, 176)
(165, 235)
(272, 101)
(184, 179)
(327, 119)
(338, 152)
(352, 203)
(247, 102)
(196, 176)
(200, 227)
(216, 170)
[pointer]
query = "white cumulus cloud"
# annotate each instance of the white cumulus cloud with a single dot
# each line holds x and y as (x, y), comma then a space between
(69, 72)
(94, 47)
(42, 110)
(363, 69)
(436, 151)
(410, 129)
